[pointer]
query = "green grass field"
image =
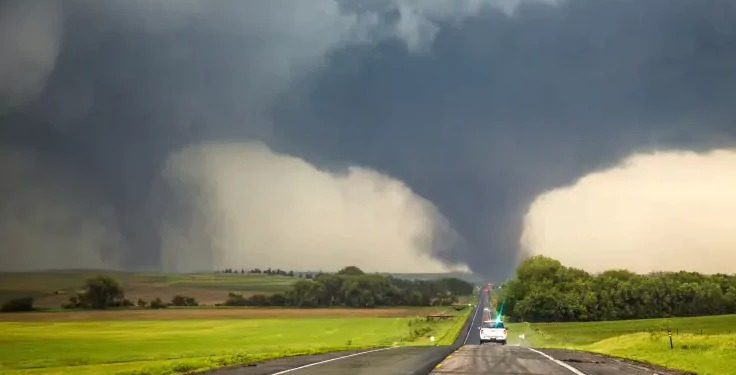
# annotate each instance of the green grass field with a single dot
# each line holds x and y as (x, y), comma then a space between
(183, 345)
(175, 341)
(712, 352)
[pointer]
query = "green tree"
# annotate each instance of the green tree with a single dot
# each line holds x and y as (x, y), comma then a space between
(18, 304)
(545, 290)
(179, 300)
(351, 270)
(101, 292)
(157, 303)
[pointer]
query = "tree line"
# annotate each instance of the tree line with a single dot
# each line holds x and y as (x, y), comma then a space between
(271, 272)
(102, 292)
(258, 271)
(544, 290)
(351, 287)
(98, 293)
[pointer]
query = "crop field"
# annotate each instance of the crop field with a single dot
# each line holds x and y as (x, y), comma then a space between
(159, 345)
(705, 345)
(51, 289)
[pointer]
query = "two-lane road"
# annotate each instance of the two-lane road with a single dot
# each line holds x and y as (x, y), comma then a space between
(472, 335)
(498, 359)
(464, 357)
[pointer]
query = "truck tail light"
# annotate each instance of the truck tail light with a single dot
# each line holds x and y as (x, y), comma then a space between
(481, 331)
(504, 331)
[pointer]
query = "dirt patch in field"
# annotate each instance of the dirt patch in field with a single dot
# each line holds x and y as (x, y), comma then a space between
(166, 293)
(205, 296)
(220, 313)
(52, 289)
(148, 293)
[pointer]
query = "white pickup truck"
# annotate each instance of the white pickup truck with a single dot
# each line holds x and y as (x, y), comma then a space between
(493, 331)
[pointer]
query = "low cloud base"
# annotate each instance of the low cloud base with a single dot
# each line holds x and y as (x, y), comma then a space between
(667, 211)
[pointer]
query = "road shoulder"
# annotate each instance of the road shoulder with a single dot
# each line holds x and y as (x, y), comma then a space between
(595, 363)
(282, 364)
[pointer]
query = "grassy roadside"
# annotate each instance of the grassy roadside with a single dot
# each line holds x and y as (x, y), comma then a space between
(158, 347)
(456, 327)
(712, 352)
(161, 347)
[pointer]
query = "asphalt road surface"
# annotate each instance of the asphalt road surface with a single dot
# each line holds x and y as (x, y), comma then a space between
(466, 356)
(500, 359)
(405, 360)
(416, 360)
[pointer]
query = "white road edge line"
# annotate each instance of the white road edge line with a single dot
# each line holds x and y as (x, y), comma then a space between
(332, 360)
(563, 364)
(470, 328)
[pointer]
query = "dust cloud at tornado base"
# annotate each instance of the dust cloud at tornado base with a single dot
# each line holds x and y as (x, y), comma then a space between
(243, 206)
(275, 210)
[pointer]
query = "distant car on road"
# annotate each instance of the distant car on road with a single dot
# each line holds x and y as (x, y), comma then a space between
(493, 331)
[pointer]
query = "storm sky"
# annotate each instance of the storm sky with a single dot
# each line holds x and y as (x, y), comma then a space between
(397, 135)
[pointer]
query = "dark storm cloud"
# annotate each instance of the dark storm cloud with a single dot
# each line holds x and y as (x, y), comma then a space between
(475, 108)
(507, 107)
(135, 82)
